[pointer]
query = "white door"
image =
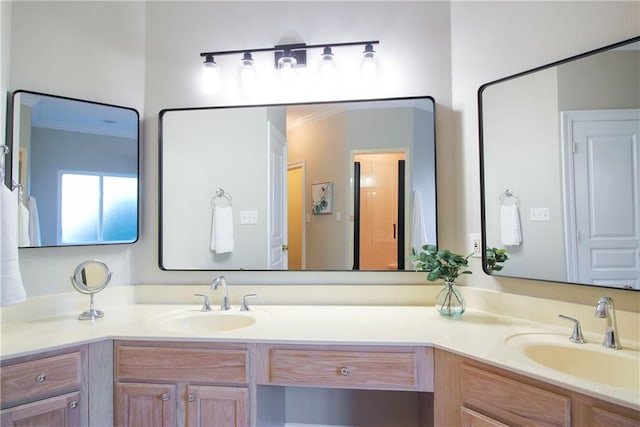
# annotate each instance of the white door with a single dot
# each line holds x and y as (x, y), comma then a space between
(277, 209)
(606, 160)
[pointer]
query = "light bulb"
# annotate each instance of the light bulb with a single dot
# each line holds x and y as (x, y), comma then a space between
(369, 66)
(327, 66)
(247, 73)
(210, 76)
(287, 64)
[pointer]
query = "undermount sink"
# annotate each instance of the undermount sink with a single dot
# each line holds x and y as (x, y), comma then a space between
(202, 322)
(590, 361)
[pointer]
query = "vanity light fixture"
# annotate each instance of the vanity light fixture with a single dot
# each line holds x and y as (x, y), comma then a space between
(287, 58)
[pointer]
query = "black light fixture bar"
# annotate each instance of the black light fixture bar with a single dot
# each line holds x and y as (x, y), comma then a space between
(292, 47)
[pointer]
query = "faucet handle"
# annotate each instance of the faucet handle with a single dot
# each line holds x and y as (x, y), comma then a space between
(245, 305)
(576, 336)
(206, 306)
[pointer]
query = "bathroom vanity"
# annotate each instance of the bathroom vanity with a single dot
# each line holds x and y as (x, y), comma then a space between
(314, 365)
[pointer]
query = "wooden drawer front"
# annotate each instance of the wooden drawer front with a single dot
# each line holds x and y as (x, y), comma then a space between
(39, 378)
(343, 368)
(473, 419)
(181, 364)
(513, 402)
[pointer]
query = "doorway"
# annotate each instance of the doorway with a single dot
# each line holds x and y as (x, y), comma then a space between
(379, 211)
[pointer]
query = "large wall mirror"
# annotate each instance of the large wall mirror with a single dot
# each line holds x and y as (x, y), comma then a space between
(74, 164)
(323, 186)
(560, 169)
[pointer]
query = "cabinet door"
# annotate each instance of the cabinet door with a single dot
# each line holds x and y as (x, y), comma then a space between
(145, 405)
(217, 406)
(60, 411)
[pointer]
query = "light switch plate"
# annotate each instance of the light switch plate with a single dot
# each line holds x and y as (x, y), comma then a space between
(248, 217)
(539, 214)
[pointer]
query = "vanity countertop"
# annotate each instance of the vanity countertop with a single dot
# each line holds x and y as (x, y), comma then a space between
(477, 334)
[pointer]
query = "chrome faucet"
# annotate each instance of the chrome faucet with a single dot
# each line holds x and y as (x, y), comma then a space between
(606, 310)
(220, 280)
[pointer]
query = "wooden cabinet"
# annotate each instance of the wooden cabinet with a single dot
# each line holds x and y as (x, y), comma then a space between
(377, 368)
(44, 390)
(170, 384)
(470, 393)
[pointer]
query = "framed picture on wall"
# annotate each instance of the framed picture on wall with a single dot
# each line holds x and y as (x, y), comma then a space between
(322, 198)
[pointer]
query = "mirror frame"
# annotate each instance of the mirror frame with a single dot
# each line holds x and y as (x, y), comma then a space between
(483, 195)
(306, 103)
(9, 175)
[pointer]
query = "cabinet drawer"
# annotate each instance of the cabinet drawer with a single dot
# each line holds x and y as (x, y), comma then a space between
(348, 369)
(40, 378)
(513, 402)
(181, 364)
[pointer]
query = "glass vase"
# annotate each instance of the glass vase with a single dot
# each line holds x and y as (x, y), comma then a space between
(449, 301)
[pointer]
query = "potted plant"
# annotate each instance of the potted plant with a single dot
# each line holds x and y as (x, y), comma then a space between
(443, 265)
(494, 257)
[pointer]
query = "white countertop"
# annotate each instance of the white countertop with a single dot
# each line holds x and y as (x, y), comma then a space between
(478, 335)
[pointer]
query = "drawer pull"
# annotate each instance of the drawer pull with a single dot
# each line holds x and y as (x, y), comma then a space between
(191, 397)
(165, 397)
(73, 404)
(41, 378)
(344, 371)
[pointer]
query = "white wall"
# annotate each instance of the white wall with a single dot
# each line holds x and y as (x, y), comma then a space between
(203, 151)
(5, 57)
(146, 55)
(87, 50)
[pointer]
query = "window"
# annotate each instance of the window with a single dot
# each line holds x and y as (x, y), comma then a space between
(98, 209)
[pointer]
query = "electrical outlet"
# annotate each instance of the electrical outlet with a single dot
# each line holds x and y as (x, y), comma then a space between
(476, 245)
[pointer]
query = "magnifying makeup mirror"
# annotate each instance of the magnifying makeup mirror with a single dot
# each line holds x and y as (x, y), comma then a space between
(91, 277)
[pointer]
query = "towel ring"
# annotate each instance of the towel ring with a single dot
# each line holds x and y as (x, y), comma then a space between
(221, 194)
(507, 194)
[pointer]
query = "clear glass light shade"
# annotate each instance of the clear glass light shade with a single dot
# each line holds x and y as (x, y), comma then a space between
(327, 66)
(369, 64)
(247, 74)
(210, 77)
(287, 68)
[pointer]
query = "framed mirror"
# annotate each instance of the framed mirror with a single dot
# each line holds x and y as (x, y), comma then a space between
(560, 169)
(75, 166)
(313, 186)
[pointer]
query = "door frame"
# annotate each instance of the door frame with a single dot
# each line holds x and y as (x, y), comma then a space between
(302, 165)
(408, 190)
(567, 118)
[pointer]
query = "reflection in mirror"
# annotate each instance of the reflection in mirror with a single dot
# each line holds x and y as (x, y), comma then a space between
(560, 168)
(326, 186)
(91, 277)
(75, 166)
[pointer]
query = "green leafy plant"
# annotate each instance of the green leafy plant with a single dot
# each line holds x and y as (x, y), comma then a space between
(440, 264)
(494, 257)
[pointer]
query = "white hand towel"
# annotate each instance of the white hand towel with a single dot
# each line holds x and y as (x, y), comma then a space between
(23, 223)
(222, 230)
(34, 222)
(511, 234)
(11, 288)
(418, 232)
